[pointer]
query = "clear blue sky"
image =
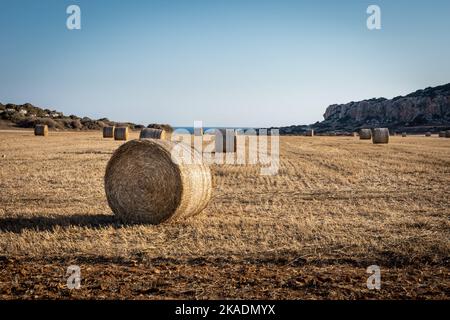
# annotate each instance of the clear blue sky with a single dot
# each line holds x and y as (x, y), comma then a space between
(226, 62)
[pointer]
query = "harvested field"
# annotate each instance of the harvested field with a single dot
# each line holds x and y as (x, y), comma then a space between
(337, 206)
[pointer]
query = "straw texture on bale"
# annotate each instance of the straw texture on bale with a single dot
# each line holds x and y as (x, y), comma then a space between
(309, 133)
(144, 185)
(428, 134)
(41, 130)
(380, 135)
(108, 132)
(404, 134)
(224, 142)
(150, 133)
(365, 134)
(447, 134)
(441, 134)
(121, 133)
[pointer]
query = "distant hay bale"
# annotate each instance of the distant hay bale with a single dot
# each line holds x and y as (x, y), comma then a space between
(224, 142)
(380, 135)
(41, 130)
(198, 131)
(441, 134)
(150, 133)
(108, 132)
(365, 134)
(144, 185)
(404, 134)
(309, 133)
(428, 134)
(447, 134)
(121, 133)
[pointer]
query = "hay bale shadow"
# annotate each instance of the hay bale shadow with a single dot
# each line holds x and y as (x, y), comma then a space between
(48, 223)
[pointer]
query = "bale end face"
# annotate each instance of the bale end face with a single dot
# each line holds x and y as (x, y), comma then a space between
(150, 133)
(41, 130)
(108, 132)
(380, 135)
(121, 133)
(143, 183)
(365, 134)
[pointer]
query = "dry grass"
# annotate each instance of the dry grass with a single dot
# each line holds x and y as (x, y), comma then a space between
(338, 205)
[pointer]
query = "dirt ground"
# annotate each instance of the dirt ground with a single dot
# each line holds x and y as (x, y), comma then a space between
(336, 206)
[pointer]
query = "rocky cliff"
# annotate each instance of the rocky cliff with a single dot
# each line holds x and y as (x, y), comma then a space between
(425, 108)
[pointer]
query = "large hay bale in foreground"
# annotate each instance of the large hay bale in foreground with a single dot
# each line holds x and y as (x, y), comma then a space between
(428, 134)
(150, 133)
(41, 130)
(365, 134)
(224, 142)
(144, 185)
(121, 133)
(441, 134)
(108, 132)
(380, 135)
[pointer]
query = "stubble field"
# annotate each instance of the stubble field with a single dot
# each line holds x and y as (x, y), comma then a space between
(337, 206)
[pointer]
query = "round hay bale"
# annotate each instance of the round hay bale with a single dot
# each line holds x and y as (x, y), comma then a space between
(380, 135)
(121, 133)
(41, 130)
(224, 143)
(144, 185)
(365, 134)
(428, 134)
(441, 134)
(447, 134)
(404, 134)
(150, 133)
(108, 132)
